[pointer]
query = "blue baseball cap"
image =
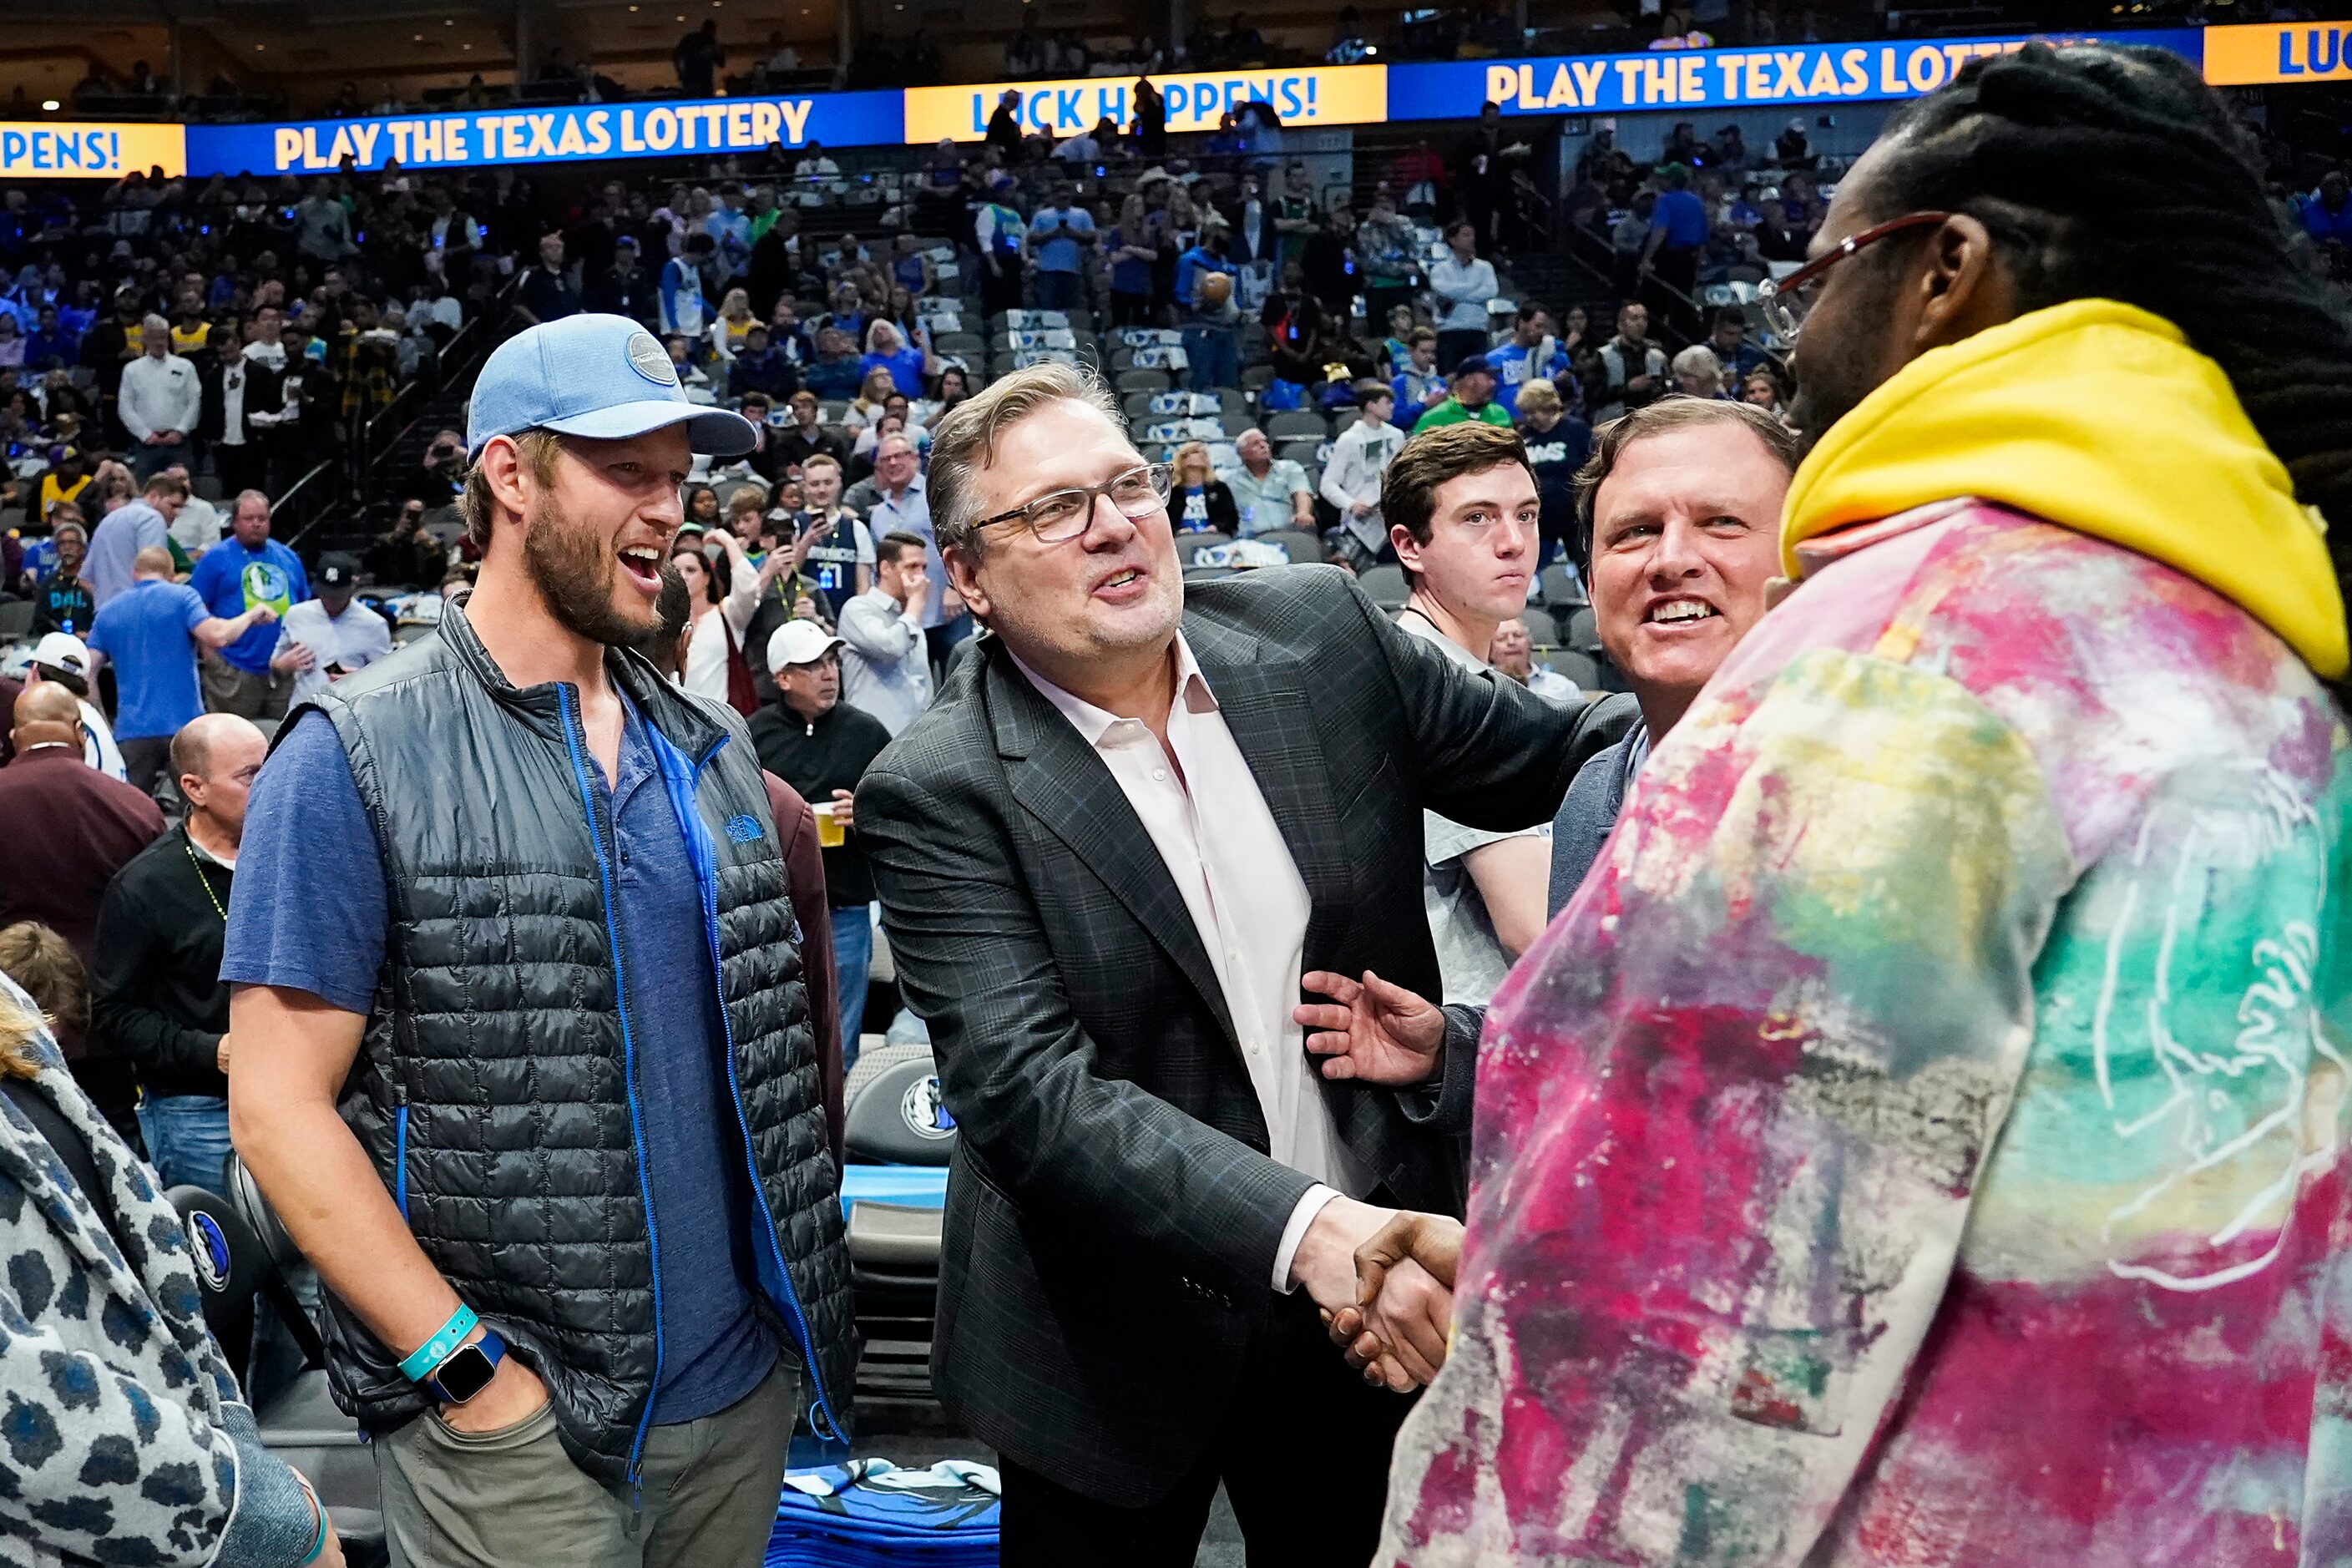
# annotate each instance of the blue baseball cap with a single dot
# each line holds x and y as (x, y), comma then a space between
(601, 376)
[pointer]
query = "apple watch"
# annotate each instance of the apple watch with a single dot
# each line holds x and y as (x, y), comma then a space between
(467, 1369)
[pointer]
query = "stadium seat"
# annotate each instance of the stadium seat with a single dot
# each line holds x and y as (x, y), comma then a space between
(1542, 631)
(1145, 381)
(1188, 544)
(1258, 377)
(1305, 452)
(1384, 585)
(1345, 420)
(1561, 589)
(1582, 631)
(1582, 667)
(1305, 549)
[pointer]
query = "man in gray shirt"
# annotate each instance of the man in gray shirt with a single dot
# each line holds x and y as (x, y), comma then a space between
(886, 667)
(129, 529)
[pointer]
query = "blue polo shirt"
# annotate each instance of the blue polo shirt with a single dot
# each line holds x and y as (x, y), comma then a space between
(1683, 217)
(149, 631)
(232, 579)
(289, 925)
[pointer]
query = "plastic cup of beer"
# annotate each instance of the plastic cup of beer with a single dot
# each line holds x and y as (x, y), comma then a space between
(830, 833)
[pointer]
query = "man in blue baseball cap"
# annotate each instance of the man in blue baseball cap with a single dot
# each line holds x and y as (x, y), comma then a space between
(530, 1076)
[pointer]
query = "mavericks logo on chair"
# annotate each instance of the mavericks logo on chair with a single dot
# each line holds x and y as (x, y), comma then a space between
(926, 1116)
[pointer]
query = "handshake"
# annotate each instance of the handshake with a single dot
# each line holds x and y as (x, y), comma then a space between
(1383, 1278)
(1387, 1297)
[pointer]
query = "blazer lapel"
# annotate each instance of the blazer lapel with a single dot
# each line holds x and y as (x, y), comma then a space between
(1066, 787)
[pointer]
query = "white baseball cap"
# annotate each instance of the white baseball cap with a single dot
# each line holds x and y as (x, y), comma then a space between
(798, 642)
(63, 650)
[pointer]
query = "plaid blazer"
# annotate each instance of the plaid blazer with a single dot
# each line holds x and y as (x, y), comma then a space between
(1112, 1216)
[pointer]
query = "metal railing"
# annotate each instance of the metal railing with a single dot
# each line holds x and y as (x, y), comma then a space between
(349, 479)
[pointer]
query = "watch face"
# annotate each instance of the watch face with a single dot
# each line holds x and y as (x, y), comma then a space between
(465, 1374)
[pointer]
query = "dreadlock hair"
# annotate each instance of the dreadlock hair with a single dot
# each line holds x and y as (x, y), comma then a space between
(2117, 174)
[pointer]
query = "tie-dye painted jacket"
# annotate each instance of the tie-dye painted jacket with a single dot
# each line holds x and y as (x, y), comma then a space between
(1923, 1140)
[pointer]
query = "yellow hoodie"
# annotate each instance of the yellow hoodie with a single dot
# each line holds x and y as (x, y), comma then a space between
(2099, 416)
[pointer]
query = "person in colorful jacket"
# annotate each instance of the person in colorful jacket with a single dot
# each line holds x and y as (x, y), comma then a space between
(1921, 1139)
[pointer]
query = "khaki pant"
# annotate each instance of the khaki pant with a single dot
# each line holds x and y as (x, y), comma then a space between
(512, 1499)
(228, 689)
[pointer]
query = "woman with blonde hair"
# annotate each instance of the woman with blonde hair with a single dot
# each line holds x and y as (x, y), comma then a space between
(734, 322)
(126, 1444)
(1198, 502)
(909, 364)
(874, 390)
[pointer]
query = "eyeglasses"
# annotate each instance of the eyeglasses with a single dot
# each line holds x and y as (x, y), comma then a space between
(1060, 516)
(1787, 301)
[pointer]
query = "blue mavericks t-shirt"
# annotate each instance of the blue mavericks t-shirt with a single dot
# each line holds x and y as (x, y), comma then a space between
(148, 631)
(232, 579)
(289, 925)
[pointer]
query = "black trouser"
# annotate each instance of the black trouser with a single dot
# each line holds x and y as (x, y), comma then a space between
(145, 759)
(1303, 1448)
(1672, 301)
(244, 467)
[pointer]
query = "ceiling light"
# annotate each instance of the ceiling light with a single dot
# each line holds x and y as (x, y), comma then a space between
(465, 46)
(50, 104)
(418, 39)
(259, 47)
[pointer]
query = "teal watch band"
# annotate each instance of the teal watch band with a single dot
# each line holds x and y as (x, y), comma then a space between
(426, 1358)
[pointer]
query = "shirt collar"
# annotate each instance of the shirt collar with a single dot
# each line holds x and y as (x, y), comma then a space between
(1093, 724)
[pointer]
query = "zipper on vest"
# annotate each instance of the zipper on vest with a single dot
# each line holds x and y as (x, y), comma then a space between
(820, 1418)
(576, 737)
(400, 1161)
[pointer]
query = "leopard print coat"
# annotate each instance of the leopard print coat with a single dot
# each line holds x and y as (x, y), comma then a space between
(123, 1438)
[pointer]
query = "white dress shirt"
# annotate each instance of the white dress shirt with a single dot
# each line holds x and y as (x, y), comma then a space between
(1247, 901)
(160, 395)
(886, 667)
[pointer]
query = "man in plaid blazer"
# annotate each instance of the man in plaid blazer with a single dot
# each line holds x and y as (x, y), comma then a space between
(1107, 855)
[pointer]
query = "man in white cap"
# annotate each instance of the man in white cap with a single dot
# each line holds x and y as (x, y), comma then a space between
(322, 640)
(532, 1076)
(821, 746)
(63, 657)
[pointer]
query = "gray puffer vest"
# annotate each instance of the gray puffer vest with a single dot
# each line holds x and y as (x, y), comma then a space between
(494, 1088)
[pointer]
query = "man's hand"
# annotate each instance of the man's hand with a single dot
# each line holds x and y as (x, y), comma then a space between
(1374, 1032)
(1359, 509)
(844, 808)
(1397, 1340)
(264, 614)
(1396, 1334)
(1325, 1263)
(295, 657)
(220, 1055)
(514, 1395)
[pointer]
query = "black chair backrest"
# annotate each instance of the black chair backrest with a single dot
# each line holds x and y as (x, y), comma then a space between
(897, 1118)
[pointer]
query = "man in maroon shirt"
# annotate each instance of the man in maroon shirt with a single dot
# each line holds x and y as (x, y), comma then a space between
(70, 829)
